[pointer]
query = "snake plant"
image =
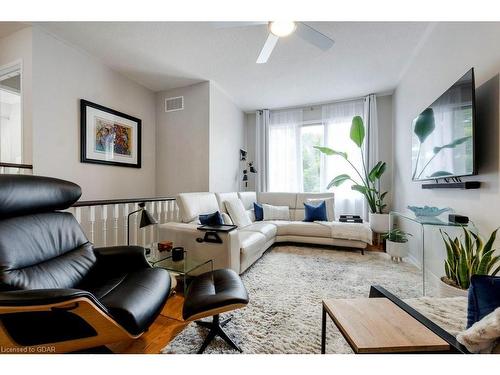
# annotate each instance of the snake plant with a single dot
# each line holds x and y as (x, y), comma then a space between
(469, 256)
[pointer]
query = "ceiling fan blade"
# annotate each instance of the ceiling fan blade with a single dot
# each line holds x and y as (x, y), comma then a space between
(267, 49)
(230, 25)
(313, 36)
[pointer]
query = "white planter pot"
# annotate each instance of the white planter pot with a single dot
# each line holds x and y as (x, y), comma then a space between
(379, 223)
(397, 250)
(446, 290)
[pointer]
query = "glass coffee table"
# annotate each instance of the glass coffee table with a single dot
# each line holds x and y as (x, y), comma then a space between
(182, 269)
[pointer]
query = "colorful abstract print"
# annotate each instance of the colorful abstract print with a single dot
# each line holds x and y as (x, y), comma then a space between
(112, 137)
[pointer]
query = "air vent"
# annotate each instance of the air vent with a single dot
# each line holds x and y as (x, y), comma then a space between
(174, 104)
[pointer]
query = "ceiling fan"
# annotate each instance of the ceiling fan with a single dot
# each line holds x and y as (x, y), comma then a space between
(280, 29)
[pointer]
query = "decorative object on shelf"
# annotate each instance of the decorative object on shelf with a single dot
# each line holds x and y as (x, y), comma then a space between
(366, 182)
(467, 257)
(247, 166)
(177, 254)
(350, 219)
(108, 136)
(397, 244)
(428, 211)
(165, 246)
(458, 219)
(146, 219)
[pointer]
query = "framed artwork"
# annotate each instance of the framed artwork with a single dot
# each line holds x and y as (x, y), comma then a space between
(109, 137)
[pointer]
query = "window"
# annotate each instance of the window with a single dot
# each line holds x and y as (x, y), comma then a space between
(10, 115)
(295, 166)
(310, 136)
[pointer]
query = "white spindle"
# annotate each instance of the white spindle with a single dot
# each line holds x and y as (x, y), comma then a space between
(92, 222)
(135, 230)
(104, 214)
(125, 222)
(78, 214)
(116, 215)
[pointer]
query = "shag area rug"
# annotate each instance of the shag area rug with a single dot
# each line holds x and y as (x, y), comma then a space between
(286, 287)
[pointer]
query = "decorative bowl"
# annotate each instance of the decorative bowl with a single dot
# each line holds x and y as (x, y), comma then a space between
(427, 211)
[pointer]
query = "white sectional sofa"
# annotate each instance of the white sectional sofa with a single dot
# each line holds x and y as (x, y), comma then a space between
(242, 247)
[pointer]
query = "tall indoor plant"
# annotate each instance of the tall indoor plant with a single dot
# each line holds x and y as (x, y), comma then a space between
(365, 182)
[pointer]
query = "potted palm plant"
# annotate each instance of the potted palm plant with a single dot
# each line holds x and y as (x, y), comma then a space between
(364, 181)
(466, 257)
(397, 244)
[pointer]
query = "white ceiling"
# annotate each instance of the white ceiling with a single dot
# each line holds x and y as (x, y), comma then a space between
(366, 58)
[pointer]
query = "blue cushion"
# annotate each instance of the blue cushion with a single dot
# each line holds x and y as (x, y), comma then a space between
(211, 219)
(484, 297)
(259, 212)
(315, 212)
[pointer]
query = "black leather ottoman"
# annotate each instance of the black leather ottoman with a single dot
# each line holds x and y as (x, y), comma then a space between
(211, 294)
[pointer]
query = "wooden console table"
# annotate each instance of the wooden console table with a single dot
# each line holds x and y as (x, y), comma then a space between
(378, 325)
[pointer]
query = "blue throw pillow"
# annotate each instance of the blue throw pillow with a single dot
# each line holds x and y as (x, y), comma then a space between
(211, 219)
(315, 212)
(259, 211)
(484, 297)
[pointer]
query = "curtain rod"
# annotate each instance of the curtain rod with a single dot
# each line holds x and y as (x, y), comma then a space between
(324, 103)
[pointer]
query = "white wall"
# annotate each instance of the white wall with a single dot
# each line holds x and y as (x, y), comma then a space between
(450, 50)
(62, 75)
(182, 141)
(227, 137)
(14, 48)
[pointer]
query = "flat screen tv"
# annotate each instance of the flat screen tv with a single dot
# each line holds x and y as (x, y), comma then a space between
(443, 134)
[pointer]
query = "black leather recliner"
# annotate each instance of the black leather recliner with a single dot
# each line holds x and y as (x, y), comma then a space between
(56, 289)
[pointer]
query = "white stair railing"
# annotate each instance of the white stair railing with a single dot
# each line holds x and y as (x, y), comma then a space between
(105, 222)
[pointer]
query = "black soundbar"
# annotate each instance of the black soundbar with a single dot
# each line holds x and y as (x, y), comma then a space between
(466, 185)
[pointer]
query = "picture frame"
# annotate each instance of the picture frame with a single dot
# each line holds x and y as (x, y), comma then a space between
(109, 137)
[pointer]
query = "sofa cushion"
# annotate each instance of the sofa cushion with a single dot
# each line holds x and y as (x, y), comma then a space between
(315, 211)
(211, 219)
(237, 212)
(248, 198)
(278, 199)
(191, 205)
(330, 204)
(276, 212)
(251, 242)
(303, 198)
(302, 228)
(226, 219)
(484, 297)
(222, 198)
(281, 226)
(258, 211)
(267, 229)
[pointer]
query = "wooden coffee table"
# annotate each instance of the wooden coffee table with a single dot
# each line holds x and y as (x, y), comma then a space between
(378, 325)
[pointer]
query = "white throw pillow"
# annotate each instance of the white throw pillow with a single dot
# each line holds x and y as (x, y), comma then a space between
(276, 212)
(237, 212)
(330, 204)
(226, 219)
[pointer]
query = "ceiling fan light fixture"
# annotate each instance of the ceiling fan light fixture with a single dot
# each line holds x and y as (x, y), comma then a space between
(282, 28)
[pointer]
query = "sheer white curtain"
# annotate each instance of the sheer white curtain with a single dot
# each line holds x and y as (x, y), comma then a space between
(371, 126)
(284, 157)
(261, 139)
(337, 119)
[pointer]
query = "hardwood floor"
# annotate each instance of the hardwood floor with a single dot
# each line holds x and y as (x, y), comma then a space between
(163, 330)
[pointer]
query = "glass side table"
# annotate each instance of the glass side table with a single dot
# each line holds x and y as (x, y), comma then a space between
(395, 220)
(182, 268)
